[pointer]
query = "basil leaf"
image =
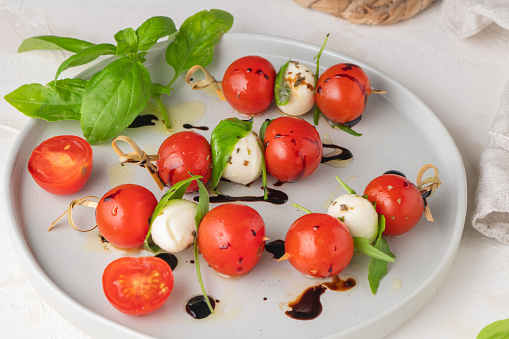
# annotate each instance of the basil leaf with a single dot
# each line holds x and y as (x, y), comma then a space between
(222, 142)
(51, 42)
(316, 116)
(345, 186)
(263, 128)
(282, 92)
(496, 330)
(342, 127)
(127, 42)
(113, 98)
(60, 100)
(154, 29)
(377, 269)
(195, 42)
(85, 56)
(362, 245)
(177, 191)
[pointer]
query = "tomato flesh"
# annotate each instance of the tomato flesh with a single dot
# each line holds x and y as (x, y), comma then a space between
(319, 245)
(248, 84)
(293, 149)
(137, 285)
(123, 215)
(342, 92)
(62, 164)
(183, 153)
(231, 238)
(399, 200)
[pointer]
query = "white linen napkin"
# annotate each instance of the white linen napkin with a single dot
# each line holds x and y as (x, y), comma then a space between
(468, 17)
(491, 214)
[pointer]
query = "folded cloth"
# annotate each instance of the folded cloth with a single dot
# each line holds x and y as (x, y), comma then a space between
(491, 214)
(468, 17)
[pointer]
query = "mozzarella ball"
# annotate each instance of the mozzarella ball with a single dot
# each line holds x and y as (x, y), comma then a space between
(357, 213)
(174, 228)
(301, 81)
(245, 163)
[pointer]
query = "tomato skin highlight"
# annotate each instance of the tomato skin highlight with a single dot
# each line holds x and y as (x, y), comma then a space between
(342, 92)
(293, 149)
(319, 245)
(183, 153)
(399, 200)
(231, 238)
(61, 165)
(248, 84)
(137, 285)
(123, 215)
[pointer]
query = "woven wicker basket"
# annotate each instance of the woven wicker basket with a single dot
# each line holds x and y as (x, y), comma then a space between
(371, 12)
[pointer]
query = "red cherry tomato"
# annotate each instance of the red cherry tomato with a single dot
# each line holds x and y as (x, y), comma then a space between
(293, 148)
(137, 285)
(183, 153)
(231, 238)
(342, 92)
(319, 245)
(61, 165)
(399, 200)
(123, 215)
(248, 84)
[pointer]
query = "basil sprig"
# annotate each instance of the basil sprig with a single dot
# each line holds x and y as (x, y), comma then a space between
(282, 92)
(316, 115)
(111, 100)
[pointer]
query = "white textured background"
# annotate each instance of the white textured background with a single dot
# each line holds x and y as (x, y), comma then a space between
(460, 80)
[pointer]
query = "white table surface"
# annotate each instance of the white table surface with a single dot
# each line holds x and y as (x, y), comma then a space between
(460, 80)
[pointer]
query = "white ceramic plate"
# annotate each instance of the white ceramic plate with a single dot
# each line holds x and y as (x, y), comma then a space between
(399, 132)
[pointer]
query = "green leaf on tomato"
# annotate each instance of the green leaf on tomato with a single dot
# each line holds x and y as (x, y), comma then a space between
(362, 245)
(222, 142)
(263, 128)
(377, 268)
(282, 92)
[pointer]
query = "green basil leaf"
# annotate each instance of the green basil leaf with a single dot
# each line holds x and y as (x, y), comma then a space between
(264, 171)
(345, 186)
(203, 202)
(282, 92)
(154, 29)
(85, 56)
(222, 142)
(342, 127)
(60, 100)
(316, 116)
(195, 42)
(496, 330)
(263, 128)
(362, 245)
(113, 98)
(127, 42)
(377, 269)
(51, 42)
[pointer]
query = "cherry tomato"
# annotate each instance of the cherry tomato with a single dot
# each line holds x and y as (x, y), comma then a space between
(319, 245)
(248, 84)
(231, 238)
(342, 92)
(399, 200)
(62, 164)
(293, 148)
(123, 215)
(137, 285)
(183, 153)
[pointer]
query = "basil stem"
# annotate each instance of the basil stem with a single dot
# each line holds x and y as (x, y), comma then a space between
(317, 75)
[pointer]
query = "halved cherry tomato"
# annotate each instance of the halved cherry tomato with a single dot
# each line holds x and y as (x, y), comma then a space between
(248, 84)
(399, 200)
(293, 148)
(342, 92)
(62, 164)
(319, 245)
(183, 153)
(137, 285)
(231, 238)
(123, 215)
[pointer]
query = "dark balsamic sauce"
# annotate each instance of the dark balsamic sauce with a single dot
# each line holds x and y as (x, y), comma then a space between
(395, 172)
(197, 307)
(344, 155)
(170, 259)
(276, 248)
(308, 305)
(201, 128)
(275, 197)
(144, 120)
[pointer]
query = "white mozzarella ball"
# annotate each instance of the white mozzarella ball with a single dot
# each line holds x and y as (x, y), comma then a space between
(174, 229)
(245, 163)
(357, 213)
(301, 81)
